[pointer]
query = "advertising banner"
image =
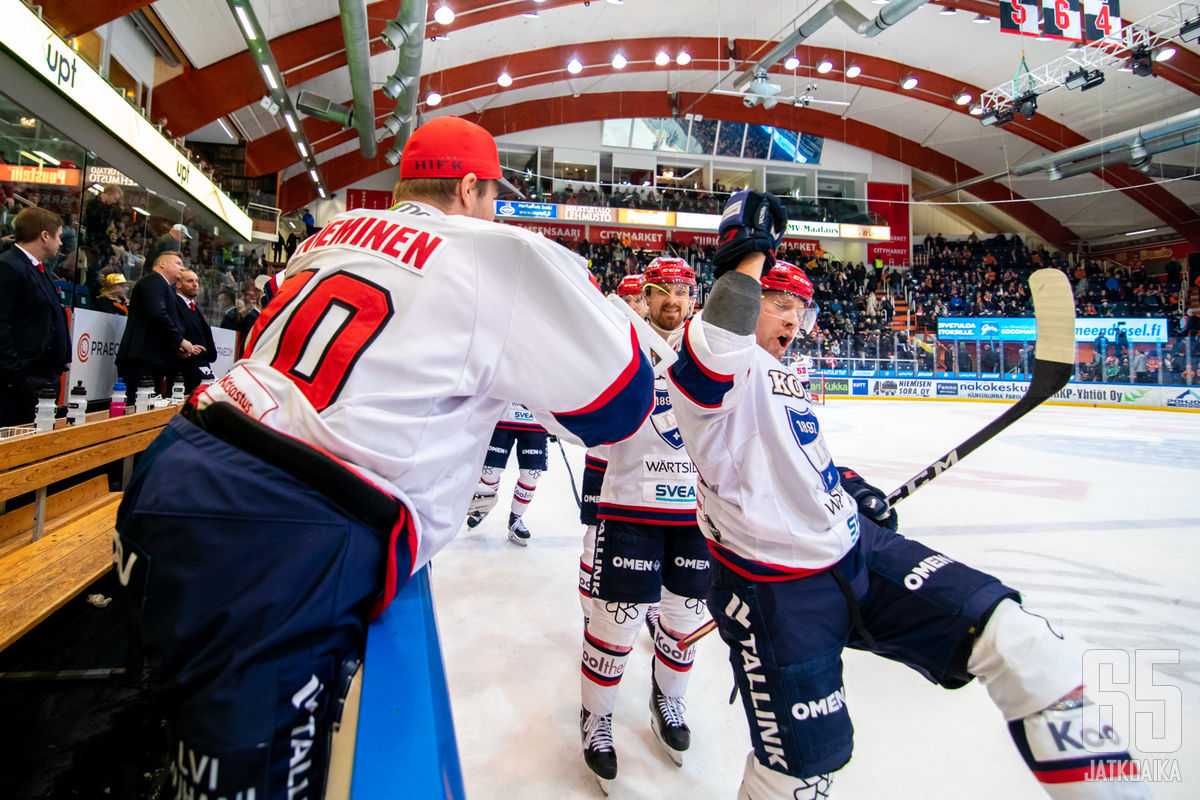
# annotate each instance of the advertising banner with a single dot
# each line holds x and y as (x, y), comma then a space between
(47, 176)
(587, 213)
(705, 222)
(634, 216)
(1009, 329)
(807, 246)
(631, 237)
(368, 198)
(828, 230)
(514, 208)
(890, 202)
(225, 340)
(553, 230)
(691, 237)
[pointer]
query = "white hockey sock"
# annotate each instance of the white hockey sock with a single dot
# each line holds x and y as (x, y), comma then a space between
(585, 570)
(677, 617)
(611, 632)
(523, 492)
(1035, 679)
(489, 479)
(762, 783)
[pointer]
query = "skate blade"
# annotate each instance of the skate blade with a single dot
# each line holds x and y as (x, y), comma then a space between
(512, 537)
(676, 756)
(604, 784)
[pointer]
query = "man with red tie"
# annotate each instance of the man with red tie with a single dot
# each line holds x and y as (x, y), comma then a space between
(195, 329)
(35, 345)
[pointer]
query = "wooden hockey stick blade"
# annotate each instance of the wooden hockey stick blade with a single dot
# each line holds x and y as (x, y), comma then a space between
(648, 339)
(1054, 360)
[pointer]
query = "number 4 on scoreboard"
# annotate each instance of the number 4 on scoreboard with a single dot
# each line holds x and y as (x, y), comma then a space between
(1101, 19)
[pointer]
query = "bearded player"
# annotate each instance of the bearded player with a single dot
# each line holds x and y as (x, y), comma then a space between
(648, 550)
(807, 560)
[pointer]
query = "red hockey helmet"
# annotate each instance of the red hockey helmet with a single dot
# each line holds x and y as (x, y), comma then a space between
(630, 285)
(785, 277)
(664, 270)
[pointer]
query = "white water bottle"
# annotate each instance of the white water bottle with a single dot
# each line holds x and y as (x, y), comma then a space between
(144, 401)
(77, 407)
(47, 407)
(177, 392)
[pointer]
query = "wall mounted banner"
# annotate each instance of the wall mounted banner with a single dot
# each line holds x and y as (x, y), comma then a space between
(48, 176)
(377, 199)
(552, 230)
(890, 201)
(1016, 329)
(631, 237)
(514, 208)
(587, 213)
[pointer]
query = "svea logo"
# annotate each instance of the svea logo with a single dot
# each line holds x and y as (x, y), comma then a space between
(669, 493)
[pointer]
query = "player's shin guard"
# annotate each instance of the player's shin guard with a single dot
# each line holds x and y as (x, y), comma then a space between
(611, 632)
(1035, 679)
(585, 572)
(523, 492)
(677, 617)
(762, 783)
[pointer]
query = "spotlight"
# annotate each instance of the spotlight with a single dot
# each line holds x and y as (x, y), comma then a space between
(574, 67)
(684, 58)
(504, 79)
(529, 14)
(853, 71)
(1140, 62)
(1190, 31)
(392, 156)
(1084, 79)
(962, 98)
(948, 11)
(982, 19)
(433, 99)
(988, 117)
(619, 61)
(1004, 117)
(1164, 53)
(444, 15)
(825, 66)
(393, 35)
(909, 82)
(976, 110)
(791, 63)
(1026, 105)
(662, 59)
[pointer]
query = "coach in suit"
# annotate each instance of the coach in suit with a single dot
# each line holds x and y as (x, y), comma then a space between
(195, 329)
(154, 339)
(35, 343)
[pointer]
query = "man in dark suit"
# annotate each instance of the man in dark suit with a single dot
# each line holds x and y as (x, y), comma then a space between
(154, 340)
(195, 329)
(35, 343)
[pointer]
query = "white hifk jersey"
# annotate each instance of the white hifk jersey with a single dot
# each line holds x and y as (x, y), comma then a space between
(649, 476)
(517, 417)
(770, 500)
(399, 337)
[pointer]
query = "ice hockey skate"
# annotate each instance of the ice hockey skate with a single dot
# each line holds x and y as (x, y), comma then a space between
(598, 753)
(517, 532)
(666, 720)
(475, 517)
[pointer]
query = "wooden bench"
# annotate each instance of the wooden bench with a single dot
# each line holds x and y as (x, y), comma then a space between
(57, 546)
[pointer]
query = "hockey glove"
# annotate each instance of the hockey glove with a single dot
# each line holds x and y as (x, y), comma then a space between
(753, 222)
(872, 503)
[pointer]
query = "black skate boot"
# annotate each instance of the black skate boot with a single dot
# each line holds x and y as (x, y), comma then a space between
(666, 719)
(475, 518)
(517, 532)
(598, 753)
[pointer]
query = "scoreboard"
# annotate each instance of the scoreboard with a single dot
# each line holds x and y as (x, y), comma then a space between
(1070, 20)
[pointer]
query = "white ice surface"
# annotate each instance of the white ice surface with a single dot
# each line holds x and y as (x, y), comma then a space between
(1090, 513)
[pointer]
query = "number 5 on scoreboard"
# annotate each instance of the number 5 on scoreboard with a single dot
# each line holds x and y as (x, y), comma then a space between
(1020, 17)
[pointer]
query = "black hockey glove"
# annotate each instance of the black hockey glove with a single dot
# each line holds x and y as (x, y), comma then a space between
(872, 503)
(753, 222)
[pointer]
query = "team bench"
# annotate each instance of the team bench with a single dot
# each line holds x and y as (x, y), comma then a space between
(58, 545)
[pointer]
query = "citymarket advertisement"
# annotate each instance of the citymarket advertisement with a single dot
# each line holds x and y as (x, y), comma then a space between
(1083, 394)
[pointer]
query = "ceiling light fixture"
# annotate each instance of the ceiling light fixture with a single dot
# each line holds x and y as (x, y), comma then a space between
(982, 19)
(1140, 62)
(574, 67)
(444, 15)
(619, 61)
(251, 34)
(662, 59)
(1026, 105)
(315, 177)
(291, 123)
(433, 98)
(270, 76)
(504, 79)
(853, 71)
(825, 66)
(962, 98)
(1164, 53)
(684, 58)
(791, 63)
(529, 14)
(976, 110)
(909, 82)
(948, 11)
(303, 150)
(1190, 31)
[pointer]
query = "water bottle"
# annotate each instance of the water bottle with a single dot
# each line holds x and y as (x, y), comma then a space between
(117, 407)
(47, 407)
(177, 392)
(77, 407)
(144, 401)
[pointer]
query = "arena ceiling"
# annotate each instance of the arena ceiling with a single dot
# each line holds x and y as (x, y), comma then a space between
(949, 53)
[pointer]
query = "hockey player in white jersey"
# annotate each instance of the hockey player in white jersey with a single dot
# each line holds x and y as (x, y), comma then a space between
(648, 549)
(594, 463)
(518, 430)
(807, 560)
(355, 427)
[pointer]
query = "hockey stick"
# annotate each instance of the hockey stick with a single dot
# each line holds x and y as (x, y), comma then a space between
(1054, 361)
(574, 491)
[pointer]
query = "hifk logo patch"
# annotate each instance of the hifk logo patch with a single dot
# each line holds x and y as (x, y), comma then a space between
(807, 432)
(663, 419)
